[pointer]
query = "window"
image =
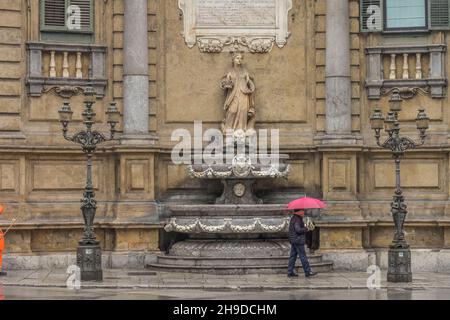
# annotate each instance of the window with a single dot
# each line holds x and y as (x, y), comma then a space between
(66, 20)
(404, 15)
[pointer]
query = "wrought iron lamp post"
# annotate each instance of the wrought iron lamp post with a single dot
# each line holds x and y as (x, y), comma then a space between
(399, 256)
(89, 252)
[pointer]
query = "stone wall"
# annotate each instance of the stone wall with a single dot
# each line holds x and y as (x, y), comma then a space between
(11, 71)
(41, 175)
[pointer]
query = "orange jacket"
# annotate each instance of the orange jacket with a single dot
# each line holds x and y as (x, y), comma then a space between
(2, 241)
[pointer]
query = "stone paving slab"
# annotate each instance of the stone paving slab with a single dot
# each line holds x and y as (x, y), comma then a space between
(120, 279)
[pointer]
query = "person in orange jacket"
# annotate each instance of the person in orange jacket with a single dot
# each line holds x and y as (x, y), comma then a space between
(2, 246)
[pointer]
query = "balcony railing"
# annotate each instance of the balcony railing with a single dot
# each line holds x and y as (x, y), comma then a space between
(411, 67)
(65, 68)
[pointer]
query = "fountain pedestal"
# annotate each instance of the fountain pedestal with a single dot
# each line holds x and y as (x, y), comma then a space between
(238, 191)
(236, 234)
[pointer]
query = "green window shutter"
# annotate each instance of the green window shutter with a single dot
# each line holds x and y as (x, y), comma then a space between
(438, 11)
(86, 13)
(60, 16)
(53, 14)
(371, 15)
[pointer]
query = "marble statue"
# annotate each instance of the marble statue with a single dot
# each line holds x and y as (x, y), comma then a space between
(239, 103)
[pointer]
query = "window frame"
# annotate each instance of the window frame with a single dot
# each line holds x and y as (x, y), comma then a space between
(425, 28)
(59, 29)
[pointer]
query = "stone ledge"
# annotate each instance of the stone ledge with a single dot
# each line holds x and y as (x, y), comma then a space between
(80, 225)
(110, 260)
(422, 260)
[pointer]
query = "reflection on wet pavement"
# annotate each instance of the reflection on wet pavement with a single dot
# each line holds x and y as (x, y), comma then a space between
(31, 293)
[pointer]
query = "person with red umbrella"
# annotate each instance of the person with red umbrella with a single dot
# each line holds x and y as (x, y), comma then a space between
(297, 234)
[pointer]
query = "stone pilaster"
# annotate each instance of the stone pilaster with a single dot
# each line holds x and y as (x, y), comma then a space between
(135, 74)
(337, 74)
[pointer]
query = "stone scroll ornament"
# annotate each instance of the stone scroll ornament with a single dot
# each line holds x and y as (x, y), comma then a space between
(229, 25)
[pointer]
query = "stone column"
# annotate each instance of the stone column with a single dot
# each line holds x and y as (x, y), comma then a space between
(339, 178)
(337, 72)
(135, 72)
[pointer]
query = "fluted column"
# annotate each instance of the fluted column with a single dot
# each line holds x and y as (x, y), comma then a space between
(337, 72)
(135, 71)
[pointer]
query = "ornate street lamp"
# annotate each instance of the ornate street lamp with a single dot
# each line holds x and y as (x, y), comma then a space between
(89, 253)
(399, 256)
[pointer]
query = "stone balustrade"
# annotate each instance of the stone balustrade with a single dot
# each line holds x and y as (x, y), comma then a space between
(411, 67)
(65, 68)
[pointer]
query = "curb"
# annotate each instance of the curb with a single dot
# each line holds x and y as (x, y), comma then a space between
(221, 288)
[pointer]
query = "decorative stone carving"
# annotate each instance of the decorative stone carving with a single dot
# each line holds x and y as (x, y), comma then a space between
(231, 248)
(245, 192)
(241, 166)
(239, 106)
(229, 25)
(406, 92)
(253, 45)
(273, 171)
(239, 189)
(228, 225)
(66, 92)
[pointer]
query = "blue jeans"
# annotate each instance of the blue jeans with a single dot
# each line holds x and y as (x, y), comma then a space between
(298, 250)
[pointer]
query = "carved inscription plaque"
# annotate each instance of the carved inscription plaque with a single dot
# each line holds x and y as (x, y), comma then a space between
(237, 13)
(227, 25)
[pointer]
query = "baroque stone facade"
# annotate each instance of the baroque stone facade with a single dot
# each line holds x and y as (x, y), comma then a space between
(319, 94)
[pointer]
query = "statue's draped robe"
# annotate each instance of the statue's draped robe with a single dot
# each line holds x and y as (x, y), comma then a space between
(239, 105)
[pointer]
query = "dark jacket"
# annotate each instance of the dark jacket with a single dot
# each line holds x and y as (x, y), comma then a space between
(297, 230)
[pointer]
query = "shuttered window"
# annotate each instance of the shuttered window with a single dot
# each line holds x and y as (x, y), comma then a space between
(404, 15)
(67, 16)
(54, 13)
(439, 14)
(371, 15)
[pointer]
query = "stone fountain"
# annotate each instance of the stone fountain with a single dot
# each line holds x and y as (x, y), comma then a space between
(236, 232)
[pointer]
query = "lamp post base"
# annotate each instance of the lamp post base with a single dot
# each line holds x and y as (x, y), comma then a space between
(399, 265)
(89, 260)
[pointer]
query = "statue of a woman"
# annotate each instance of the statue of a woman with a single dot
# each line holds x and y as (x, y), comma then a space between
(239, 104)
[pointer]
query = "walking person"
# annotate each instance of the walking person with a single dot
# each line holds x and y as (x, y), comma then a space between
(2, 247)
(2, 243)
(297, 237)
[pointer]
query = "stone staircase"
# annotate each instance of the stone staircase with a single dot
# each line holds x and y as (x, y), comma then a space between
(209, 265)
(193, 258)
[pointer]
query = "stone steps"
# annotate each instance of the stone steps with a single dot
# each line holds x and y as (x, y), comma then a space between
(222, 265)
(219, 261)
(322, 267)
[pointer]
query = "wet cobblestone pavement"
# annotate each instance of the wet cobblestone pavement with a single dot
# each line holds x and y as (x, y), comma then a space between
(139, 284)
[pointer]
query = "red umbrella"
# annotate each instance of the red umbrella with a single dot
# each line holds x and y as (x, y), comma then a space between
(306, 203)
